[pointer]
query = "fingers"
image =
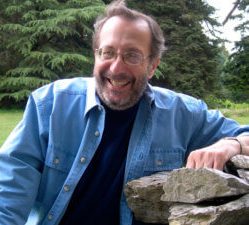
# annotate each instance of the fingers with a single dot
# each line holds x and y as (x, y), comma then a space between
(214, 156)
(190, 163)
(206, 159)
(219, 164)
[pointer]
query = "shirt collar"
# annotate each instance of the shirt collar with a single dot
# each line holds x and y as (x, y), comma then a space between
(149, 94)
(92, 100)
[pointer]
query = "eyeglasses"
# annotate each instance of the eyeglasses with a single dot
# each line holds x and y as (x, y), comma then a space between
(130, 57)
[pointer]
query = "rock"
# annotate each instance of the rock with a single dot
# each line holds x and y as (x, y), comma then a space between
(240, 161)
(143, 197)
(233, 213)
(244, 174)
(167, 198)
(196, 185)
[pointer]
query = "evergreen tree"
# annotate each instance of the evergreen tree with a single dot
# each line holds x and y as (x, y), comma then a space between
(223, 58)
(236, 78)
(45, 40)
(5, 56)
(190, 63)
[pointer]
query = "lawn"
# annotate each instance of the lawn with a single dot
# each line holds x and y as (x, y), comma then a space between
(10, 118)
(240, 114)
(242, 119)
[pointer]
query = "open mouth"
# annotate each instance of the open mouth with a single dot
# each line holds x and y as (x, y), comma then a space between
(118, 83)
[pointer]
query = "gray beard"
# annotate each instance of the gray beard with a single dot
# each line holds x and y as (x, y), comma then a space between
(128, 103)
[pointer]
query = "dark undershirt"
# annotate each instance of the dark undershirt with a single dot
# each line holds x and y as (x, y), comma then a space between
(96, 199)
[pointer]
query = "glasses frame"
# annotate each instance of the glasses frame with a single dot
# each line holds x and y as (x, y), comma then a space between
(123, 56)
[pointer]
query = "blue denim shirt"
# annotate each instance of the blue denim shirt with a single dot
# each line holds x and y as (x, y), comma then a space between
(44, 157)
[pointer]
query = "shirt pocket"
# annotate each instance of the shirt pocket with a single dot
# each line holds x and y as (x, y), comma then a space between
(161, 159)
(57, 167)
(59, 160)
(56, 170)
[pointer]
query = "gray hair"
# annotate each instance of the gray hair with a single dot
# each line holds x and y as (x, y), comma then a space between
(119, 8)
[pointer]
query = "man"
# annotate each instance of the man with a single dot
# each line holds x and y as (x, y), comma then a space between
(82, 139)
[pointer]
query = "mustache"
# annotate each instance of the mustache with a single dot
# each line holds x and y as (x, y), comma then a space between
(120, 76)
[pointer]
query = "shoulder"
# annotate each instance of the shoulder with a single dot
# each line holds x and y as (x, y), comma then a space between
(165, 98)
(66, 87)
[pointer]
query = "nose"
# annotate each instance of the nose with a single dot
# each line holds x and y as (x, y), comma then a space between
(117, 65)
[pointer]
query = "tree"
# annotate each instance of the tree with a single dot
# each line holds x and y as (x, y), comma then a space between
(5, 59)
(45, 40)
(190, 63)
(229, 15)
(236, 78)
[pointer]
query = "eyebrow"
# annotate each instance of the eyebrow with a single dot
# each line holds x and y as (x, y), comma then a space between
(133, 49)
(129, 49)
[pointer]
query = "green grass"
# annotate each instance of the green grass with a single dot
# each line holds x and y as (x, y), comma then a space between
(242, 120)
(8, 120)
(240, 114)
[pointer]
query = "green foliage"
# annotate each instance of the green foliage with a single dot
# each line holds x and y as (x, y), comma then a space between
(230, 109)
(238, 112)
(44, 40)
(236, 78)
(218, 103)
(236, 70)
(190, 64)
(215, 103)
(18, 88)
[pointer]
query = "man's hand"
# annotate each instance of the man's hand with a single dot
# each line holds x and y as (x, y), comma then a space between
(214, 156)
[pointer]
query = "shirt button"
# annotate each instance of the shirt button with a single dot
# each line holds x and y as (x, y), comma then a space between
(56, 161)
(50, 216)
(141, 156)
(99, 108)
(159, 162)
(96, 133)
(66, 188)
(82, 159)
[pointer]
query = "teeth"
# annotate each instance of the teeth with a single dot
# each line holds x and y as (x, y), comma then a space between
(118, 83)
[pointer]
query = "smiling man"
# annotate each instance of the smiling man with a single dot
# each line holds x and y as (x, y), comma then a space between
(80, 140)
(123, 61)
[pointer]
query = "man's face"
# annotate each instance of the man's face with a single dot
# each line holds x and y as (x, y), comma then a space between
(121, 84)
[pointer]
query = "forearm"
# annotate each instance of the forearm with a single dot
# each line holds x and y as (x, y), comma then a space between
(217, 154)
(240, 143)
(244, 142)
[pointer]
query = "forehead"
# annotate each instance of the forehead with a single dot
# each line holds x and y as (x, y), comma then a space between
(121, 33)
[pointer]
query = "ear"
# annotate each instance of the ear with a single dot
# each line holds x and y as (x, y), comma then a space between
(152, 67)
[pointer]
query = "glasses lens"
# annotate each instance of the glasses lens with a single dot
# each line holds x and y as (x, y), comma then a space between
(129, 57)
(133, 58)
(106, 53)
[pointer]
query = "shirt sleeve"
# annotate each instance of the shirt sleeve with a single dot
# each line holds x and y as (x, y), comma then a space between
(20, 168)
(210, 126)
